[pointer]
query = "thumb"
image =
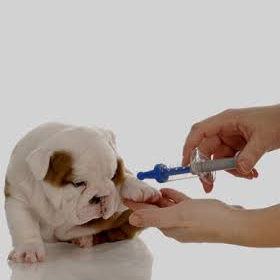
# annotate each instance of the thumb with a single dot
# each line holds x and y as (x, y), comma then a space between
(250, 155)
(157, 217)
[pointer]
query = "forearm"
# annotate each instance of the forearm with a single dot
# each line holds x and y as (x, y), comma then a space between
(253, 228)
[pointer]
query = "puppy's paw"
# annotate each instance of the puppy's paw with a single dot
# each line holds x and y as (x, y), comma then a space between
(84, 242)
(139, 191)
(31, 252)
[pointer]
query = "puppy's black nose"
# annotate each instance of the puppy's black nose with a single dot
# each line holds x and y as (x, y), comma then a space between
(95, 200)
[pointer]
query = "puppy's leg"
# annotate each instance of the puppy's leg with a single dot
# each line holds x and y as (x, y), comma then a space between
(84, 241)
(120, 229)
(126, 231)
(138, 191)
(25, 232)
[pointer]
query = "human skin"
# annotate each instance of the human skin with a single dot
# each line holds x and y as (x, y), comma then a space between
(250, 131)
(208, 220)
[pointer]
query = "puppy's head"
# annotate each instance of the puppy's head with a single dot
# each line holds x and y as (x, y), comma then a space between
(80, 172)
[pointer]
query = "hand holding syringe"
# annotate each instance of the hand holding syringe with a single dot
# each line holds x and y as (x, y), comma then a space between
(200, 165)
(209, 220)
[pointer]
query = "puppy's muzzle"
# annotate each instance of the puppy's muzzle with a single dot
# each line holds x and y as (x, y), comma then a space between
(95, 200)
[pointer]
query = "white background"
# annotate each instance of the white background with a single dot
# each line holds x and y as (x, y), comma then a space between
(147, 70)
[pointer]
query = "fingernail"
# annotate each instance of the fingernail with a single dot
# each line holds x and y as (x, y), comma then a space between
(207, 188)
(135, 220)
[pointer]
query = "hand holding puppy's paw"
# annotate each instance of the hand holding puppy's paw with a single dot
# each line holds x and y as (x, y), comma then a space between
(139, 191)
(31, 252)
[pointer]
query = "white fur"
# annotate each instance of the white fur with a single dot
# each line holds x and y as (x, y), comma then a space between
(37, 211)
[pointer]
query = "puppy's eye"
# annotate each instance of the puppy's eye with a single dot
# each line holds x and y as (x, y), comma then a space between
(114, 177)
(79, 184)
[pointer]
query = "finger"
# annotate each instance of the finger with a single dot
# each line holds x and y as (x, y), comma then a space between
(213, 146)
(210, 145)
(237, 207)
(165, 202)
(250, 155)
(207, 128)
(224, 151)
(251, 175)
(176, 233)
(255, 172)
(192, 141)
(157, 217)
(154, 198)
(138, 205)
(236, 142)
(207, 182)
(169, 232)
(173, 195)
(207, 186)
(236, 173)
(161, 202)
(228, 152)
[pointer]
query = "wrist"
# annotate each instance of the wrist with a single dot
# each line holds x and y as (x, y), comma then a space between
(232, 228)
(224, 224)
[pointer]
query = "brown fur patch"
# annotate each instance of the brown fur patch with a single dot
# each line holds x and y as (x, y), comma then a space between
(101, 224)
(121, 230)
(114, 229)
(60, 170)
(7, 188)
(119, 176)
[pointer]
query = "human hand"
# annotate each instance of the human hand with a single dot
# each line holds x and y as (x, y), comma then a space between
(253, 131)
(182, 218)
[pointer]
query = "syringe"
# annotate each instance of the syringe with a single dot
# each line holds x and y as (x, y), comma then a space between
(200, 165)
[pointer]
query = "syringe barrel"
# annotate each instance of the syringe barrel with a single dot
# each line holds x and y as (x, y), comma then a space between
(213, 165)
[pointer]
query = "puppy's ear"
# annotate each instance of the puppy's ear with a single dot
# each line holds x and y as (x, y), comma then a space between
(38, 162)
(111, 138)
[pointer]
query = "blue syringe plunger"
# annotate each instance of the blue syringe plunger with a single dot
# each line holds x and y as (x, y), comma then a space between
(200, 165)
(161, 172)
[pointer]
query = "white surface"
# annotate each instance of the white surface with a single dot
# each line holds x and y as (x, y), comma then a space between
(147, 70)
(124, 260)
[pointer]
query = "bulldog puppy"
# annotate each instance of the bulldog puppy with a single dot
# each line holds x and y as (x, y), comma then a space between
(67, 183)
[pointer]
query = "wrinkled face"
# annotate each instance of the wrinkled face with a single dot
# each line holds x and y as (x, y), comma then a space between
(83, 175)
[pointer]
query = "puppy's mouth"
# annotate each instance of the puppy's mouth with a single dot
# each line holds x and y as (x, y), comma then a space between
(96, 208)
(99, 201)
(95, 200)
